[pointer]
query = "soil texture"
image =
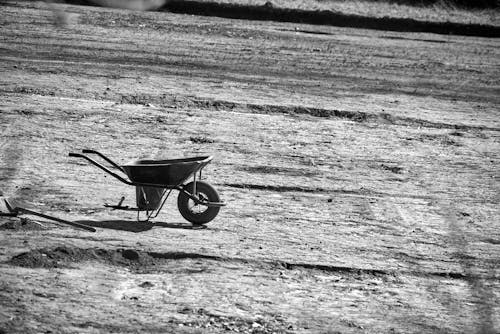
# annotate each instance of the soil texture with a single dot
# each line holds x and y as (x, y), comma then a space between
(360, 170)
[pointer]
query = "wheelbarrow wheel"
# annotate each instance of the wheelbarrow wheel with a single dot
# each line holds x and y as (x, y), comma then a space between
(198, 214)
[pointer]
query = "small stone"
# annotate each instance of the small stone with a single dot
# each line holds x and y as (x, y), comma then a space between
(130, 254)
(268, 4)
(146, 284)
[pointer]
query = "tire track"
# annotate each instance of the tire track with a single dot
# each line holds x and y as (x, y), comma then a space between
(482, 294)
(11, 157)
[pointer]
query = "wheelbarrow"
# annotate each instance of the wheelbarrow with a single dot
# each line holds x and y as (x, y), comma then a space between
(154, 180)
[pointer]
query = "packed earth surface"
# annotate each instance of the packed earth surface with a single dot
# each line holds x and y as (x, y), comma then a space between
(360, 170)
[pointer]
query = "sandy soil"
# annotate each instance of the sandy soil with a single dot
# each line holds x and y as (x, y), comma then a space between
(360, 170)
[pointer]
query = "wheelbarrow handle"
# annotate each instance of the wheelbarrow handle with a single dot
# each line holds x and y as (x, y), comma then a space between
(114, 164)
(95, 163)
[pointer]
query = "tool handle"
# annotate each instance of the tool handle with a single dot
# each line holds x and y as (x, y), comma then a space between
(85, 227)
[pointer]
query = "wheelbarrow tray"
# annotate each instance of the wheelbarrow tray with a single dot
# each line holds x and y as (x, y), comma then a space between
(166, 173)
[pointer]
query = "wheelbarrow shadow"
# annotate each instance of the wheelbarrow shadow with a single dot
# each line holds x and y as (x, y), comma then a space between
(136, 226)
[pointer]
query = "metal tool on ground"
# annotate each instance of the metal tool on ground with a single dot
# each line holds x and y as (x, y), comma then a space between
(198, 202)
(10, 208)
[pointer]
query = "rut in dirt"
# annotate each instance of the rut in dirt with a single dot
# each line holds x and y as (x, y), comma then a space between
(142, 261)
(362, 192)
(268, 109)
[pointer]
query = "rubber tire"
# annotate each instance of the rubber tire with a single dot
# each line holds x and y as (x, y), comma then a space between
(209, 193)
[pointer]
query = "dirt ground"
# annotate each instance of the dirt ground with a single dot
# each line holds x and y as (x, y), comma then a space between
(360, 169)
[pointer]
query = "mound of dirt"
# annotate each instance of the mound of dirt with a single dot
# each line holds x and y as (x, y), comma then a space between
(64, 256)
(218, 323)
(326, 17)
(21, 224)
(268, 12)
